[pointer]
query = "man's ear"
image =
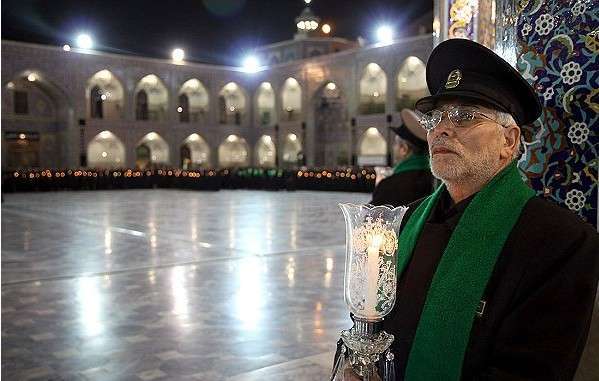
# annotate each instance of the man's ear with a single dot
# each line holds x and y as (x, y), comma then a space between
(511, 141)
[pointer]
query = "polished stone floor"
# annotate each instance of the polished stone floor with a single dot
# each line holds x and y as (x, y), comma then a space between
(172, 285)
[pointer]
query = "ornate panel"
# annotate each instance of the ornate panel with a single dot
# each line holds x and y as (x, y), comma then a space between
(559, 42)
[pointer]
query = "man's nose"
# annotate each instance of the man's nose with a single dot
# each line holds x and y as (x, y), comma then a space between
(445, 127)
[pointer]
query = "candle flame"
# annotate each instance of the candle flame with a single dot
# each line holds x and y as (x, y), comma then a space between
(376, 241)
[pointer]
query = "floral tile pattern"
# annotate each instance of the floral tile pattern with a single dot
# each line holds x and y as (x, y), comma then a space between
(559, 45)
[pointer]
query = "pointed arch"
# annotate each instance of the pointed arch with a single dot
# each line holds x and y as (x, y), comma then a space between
(292, 149)
(291, 99)
(372, 149)
(331, 118)
(265, 152)
(152, 150)
(194, 93)
(156, 98)
(232, 104)
(105, 150)
(198, 152)
(33, 95)
(233, 152)
(265, 104)
(411, 83)
(373, 89)
(105, 96)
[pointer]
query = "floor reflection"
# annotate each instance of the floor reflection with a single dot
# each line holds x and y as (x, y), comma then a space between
(89, 299)
(250, 295)
(164, 285)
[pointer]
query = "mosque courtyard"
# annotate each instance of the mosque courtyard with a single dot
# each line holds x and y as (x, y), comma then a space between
(172, 285)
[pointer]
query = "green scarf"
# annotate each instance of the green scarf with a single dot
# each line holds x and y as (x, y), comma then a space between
(416, 162)
(462, 274)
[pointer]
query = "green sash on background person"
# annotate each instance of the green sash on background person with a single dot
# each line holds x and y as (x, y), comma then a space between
(416, 162)
(459, 282)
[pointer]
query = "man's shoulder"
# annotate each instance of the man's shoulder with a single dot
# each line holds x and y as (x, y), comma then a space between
(548, 216)
(404, 176)
(548, 232)
(390, 180)
(401, 188)
(551, 241)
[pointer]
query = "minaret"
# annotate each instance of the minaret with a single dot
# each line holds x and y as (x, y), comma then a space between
(307, 23)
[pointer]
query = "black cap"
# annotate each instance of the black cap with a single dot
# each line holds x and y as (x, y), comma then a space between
(411, 130)
(462, 68)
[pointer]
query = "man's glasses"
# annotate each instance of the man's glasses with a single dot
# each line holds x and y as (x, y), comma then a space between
(460, 117)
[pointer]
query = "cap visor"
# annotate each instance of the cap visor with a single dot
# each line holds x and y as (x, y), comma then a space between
(426, 104)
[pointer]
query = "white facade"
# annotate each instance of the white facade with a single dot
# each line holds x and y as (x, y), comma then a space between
(56, 104)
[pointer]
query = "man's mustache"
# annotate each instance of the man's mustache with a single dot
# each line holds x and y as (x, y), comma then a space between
(442, 143)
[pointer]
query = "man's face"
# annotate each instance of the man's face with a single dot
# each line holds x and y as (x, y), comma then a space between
(400, 149)
(465, 154)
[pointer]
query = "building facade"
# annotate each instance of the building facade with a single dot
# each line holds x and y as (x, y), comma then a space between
(87, 108)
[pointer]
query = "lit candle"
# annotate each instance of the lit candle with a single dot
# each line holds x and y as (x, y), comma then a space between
(373, 274)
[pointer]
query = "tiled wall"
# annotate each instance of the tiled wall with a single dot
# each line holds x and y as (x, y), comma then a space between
(559, 45)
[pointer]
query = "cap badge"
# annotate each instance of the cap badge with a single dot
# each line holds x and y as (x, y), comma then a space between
(453, 80)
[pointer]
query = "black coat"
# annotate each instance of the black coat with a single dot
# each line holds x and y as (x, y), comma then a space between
(538, 302)
(403, 188)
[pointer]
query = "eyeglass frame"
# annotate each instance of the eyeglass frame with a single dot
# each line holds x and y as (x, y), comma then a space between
(448, 111)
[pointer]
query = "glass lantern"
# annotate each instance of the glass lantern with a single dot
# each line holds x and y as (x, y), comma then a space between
(372, 236)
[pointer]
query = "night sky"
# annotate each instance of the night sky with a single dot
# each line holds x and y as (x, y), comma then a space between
(212, 31)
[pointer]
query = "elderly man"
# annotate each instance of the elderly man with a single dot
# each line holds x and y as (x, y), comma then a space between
(495, 283)
(411, 179)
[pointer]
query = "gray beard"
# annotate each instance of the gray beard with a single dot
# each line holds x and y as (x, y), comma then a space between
(458, 170)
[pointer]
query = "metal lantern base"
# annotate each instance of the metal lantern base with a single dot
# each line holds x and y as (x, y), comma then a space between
(364, 346)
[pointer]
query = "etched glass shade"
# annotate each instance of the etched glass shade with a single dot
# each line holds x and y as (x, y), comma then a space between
(370, 283)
